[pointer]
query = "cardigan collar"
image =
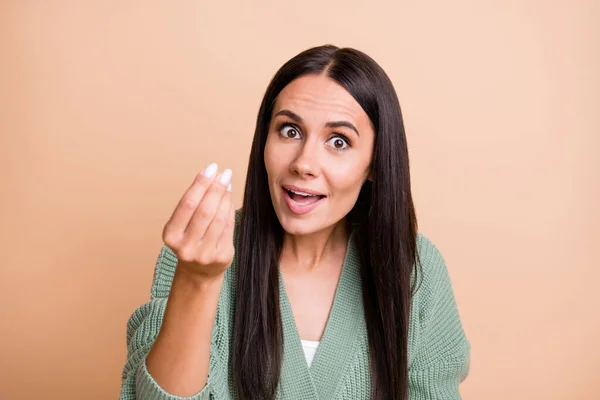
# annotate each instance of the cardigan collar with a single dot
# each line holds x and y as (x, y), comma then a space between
(344, 326)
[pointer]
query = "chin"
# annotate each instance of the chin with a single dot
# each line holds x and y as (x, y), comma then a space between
(295, 226)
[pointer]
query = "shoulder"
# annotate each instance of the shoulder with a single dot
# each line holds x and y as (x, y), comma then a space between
(431, 277)
(431, 266)
(435, 319)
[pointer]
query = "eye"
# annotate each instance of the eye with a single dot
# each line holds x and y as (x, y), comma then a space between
(289, 131)
(339, 142)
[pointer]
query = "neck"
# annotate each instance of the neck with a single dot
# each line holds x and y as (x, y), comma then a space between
(309, 252)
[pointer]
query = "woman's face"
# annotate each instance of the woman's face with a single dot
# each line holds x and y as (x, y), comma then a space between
(320, 143)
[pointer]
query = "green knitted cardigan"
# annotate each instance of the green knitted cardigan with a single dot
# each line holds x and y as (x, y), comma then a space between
(439, 351)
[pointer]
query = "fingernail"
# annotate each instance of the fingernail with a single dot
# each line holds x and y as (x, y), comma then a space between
(229, 188)
(210, 171)
(225, 177)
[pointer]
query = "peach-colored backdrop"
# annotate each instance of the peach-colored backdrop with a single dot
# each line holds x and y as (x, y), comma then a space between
(109, 108)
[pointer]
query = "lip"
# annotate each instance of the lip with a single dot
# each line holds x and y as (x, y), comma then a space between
(303, 190)
(299, 209)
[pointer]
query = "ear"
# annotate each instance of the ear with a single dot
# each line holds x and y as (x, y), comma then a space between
(370, 176)
(370, 169)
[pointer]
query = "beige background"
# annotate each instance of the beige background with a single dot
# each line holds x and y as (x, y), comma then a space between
(109, 108)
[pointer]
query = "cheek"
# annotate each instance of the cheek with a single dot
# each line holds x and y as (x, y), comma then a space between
(270, 160)
(277, 157)
(345, 179)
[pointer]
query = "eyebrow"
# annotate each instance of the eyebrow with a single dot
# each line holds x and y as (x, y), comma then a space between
(333, 124)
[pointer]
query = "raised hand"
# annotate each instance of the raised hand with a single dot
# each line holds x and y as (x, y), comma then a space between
(200, 230)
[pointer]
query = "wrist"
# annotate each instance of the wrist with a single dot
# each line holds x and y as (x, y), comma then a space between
(197, 281)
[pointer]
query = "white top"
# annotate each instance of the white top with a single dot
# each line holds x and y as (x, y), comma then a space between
(310, 348)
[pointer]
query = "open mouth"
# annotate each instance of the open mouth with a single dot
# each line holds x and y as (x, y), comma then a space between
(303, 198)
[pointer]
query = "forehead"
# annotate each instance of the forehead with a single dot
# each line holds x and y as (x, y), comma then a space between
(318, 97)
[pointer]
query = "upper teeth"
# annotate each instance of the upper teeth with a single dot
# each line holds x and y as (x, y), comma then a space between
(301, 193)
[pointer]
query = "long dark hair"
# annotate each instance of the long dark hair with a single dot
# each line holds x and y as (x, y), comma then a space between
(384, 224)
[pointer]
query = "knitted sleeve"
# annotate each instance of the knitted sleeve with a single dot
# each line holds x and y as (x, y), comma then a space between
(441, 350)
(144, 325)
(142, 329)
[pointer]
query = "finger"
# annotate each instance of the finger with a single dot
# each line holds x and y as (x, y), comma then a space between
(207, 209)
(188, 203)
(219, 222)
(226, 239)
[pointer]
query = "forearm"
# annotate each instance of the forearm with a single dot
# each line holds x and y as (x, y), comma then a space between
(180, 357)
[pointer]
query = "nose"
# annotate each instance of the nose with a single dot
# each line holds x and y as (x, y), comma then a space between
(306, 163)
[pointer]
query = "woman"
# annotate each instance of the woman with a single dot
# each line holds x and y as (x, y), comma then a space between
(332, 292)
